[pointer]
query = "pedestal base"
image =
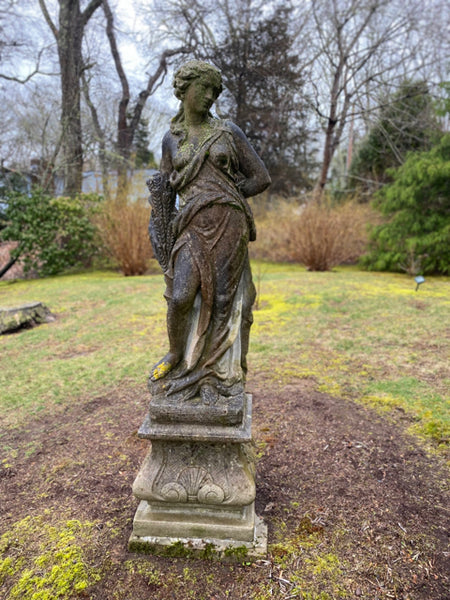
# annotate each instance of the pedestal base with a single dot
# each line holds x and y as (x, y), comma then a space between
(197, 486)
(186, 474)
(199, 534)
(222, 412)
(170, 520)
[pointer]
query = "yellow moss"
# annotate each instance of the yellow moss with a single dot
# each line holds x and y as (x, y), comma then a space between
(328, 563)
(316, 572)
(330, 386)
(436, 430)
(401, 287)
(147, 571)
(45, 562)
(286, 372)
(383, 402)
(265, 593)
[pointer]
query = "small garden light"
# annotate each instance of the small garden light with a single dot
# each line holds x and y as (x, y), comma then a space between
(419, 279)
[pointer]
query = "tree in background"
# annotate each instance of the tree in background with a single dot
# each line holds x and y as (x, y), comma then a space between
(356, 48)
(79, 69)
(129, 114)
(406, 123)
(339, 53)
(263, 83)
(72, 22)
(416, 236)
(34, 134)
(142, 155)
(252, 43)
(331, 60)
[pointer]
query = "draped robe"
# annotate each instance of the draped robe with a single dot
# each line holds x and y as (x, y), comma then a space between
(214, 223)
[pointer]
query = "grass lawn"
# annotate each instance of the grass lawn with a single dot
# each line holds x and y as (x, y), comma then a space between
(366, 336)
(339, 364)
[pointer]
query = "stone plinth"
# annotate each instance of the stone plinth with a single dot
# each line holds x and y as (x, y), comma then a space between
(230, 548)
(223, 411)
(197, 489)
(199, 430)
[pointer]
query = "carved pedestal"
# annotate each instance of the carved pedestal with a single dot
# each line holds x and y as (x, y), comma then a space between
(197, 486)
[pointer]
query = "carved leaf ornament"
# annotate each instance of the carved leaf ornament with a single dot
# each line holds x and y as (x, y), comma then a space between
(193, 484)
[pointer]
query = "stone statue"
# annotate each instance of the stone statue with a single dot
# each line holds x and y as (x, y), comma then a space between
(196, 486)
(210, 166)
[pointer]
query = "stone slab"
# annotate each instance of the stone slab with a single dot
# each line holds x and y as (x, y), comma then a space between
(152, 430)
(229, 550)
(218, 411)
(25, 315)
(194, 522)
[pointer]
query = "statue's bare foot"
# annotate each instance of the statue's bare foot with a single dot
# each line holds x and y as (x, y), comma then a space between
(164, 366)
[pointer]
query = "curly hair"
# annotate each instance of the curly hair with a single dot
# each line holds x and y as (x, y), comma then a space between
(196, 69)
(184, 76)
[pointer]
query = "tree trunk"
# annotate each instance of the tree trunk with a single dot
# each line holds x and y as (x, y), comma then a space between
(70, 37)
(330, 142)
(326, 161)
(124, 142)
(104, 163)
(8, 266)
(333, 135)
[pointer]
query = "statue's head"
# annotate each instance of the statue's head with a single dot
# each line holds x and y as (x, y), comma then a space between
(194, 70)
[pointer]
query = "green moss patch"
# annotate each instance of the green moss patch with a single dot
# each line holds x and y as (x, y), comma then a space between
(44, 561)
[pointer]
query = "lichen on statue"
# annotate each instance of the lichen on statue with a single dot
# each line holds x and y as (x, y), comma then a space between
(211, 167)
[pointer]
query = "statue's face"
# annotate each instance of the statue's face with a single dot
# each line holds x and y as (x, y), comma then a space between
(199, 97)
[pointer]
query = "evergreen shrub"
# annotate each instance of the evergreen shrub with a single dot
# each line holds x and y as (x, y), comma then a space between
(416, 235)
(53, 234)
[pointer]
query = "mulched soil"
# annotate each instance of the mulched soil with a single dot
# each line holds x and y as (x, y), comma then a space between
(331, 467)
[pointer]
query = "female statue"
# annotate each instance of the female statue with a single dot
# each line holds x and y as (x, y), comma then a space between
(210, 166)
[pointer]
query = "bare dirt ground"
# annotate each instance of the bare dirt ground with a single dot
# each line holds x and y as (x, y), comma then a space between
(336, 484)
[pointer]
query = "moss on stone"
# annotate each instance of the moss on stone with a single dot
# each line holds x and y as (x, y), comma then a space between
(239, 554)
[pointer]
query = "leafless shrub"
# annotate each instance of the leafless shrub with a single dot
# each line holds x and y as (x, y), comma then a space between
(123, 227)
(272, 216)
(318, 235)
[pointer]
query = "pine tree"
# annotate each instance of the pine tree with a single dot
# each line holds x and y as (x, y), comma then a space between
(416, 237)
(263, 95)
(143, 156)
(406, 123)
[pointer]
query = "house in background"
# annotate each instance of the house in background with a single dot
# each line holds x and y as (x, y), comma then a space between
(39, 172)
(92, 182)
(23, 181)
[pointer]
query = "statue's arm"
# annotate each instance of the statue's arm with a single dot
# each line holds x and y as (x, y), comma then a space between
(257, 178)
(166, 165)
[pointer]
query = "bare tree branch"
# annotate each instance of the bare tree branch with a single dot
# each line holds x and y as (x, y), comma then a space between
(126, 125)
(99, 133)
(153, 80)
(35, 71)
(49, 170)
(357, 43)
(89, 10)
(48, 19)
